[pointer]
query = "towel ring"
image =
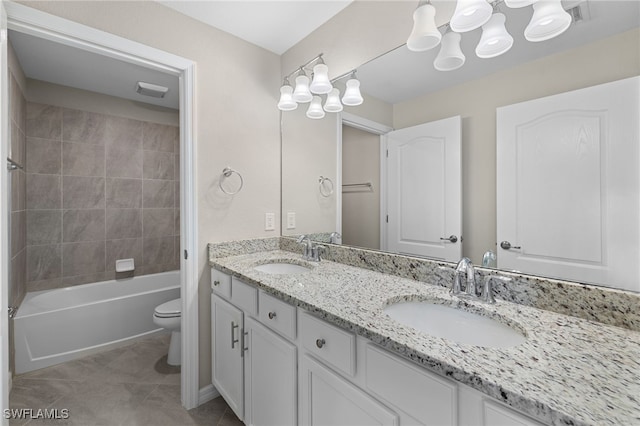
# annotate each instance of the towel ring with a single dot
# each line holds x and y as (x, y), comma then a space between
(227, 172)
(325, 192)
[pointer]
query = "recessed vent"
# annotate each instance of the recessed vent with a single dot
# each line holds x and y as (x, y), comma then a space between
(153, 90)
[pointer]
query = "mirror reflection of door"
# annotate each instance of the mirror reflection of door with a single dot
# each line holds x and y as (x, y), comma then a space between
(424, 190)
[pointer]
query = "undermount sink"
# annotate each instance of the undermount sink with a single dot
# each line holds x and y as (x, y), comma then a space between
(282, 268)
(454, 324)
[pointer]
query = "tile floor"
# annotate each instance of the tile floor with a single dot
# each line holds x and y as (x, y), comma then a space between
(132, 385)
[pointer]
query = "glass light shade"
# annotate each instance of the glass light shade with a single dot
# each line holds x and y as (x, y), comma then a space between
(515, 4)
(332, 104)
(315, 110)
(286, 102)
(470, 14)
(352, 96)
(425, 35)
(495, 39)
(549, 20)
(302, 94)
(321, 83)
(450, 56)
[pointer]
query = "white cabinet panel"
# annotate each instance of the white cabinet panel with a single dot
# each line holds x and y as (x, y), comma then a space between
(568, 185)
(227, 368)
(270, 377)
(329, 400)
(244, 296)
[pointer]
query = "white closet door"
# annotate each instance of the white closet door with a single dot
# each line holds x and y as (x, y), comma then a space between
(568, 185)
(424, 190)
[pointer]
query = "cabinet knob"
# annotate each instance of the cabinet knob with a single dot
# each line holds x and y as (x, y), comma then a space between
(320, 343)
(272, 315)
(216, 283)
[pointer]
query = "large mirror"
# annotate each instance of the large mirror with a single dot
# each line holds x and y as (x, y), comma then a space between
(402, 89)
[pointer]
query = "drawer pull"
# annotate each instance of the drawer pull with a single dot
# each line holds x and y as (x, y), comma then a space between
(272, 315)
(233, 339)
(216, 283)
(245, 337)
(320, 343)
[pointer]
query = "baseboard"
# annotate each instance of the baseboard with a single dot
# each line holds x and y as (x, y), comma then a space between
(207, 393)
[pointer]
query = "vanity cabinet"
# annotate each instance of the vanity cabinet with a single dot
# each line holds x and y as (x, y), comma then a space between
(253, 367)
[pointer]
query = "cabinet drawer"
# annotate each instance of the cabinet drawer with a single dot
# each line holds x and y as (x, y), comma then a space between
(244, 296)
(329, 343)
(221, 283)
(424, 396)
(278, 315)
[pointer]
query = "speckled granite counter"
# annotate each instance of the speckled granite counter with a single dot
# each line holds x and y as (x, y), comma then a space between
(569, 371)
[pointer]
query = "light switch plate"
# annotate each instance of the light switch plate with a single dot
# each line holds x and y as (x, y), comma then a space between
(291, 220)
(269, 221)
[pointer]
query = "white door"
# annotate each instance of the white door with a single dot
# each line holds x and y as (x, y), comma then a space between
(424, 190)
(4, 225)
(227, 368)
(329, 400)
(568, 186)
(271, 386)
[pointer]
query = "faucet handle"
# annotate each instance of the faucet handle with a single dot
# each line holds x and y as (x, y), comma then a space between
(487, 288)
(317, 252)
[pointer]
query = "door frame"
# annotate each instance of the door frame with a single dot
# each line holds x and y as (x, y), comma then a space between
(53, 28)
(370, 126)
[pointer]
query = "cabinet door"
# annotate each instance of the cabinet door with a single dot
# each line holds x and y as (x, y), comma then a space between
(270, 377)
(327, 399)
(226, 325)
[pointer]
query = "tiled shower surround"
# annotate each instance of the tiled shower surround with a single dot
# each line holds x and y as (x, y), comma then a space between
(99, 188)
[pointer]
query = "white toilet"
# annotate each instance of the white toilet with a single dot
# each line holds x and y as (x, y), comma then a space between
(169, 316)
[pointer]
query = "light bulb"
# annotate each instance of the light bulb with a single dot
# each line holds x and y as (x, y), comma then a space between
(495, 39)
(470, 14)
(286, 102)
(302, 94)
(315, 110)
(515, 4)
(332, 104)
(320, 83)
(549, 20)
(424, 35)
(450, 56)
(352, 96)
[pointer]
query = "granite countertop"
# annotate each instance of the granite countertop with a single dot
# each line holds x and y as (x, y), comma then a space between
(569, 371)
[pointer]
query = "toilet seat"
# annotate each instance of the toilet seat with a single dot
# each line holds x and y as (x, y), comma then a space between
(170, 309)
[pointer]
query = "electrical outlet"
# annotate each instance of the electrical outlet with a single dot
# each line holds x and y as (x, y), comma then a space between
(269, 221)
(291, 220)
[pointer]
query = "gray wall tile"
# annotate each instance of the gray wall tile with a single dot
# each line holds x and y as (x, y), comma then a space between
(83, 127)
(130, 248)
(18, 231)
(44, 227)
(88, 278)
(124, 223)
(79, 192)
(159, 137)
(44, 262)
(18, 279)
(176, 222)
(43, 192)
(124, 193)
(158, 165)
(83, 258)
(158, 251)
(157, 193)
(44, 121)
(83, 225)
(18, 140)
(82, 160)
(124, 133)
(124, 162)
(44, 156)
(44, 284)
(157, 223)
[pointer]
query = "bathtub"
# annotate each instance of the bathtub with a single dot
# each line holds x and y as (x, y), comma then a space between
(54, 326)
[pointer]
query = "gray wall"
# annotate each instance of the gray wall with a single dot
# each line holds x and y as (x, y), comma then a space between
(99, 188)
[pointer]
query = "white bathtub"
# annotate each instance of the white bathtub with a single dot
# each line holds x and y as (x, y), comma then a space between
(54, 326)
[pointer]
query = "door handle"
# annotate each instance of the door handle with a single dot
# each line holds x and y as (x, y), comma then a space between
(507, 245)
(233, 339)
(451, 239)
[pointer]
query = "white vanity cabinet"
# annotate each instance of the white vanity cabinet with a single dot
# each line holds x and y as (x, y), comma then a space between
(253, 367)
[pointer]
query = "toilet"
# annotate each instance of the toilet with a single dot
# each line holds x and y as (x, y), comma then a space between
(169, 316)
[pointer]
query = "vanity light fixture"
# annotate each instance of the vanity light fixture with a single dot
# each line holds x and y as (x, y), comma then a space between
(495, 39)
(515, 4)
(286, 102)
(320, 83)
(470, 14)
(332, 104)
(425, 34)
(549, 20)
(352, 95)
(302, 93)
(450, 56)
(315, 110)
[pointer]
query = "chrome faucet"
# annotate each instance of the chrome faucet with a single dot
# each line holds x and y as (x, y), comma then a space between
(487, 288)
(470, 288)
(334, 238)
(307, 244)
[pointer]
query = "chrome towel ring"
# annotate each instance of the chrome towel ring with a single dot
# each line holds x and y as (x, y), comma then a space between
(227, 172)
(326, 186)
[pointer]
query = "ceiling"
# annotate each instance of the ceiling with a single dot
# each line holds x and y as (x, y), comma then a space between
(273, 25)
(402, 74)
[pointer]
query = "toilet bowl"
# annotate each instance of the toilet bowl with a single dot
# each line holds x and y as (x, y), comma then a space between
(169, 316)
